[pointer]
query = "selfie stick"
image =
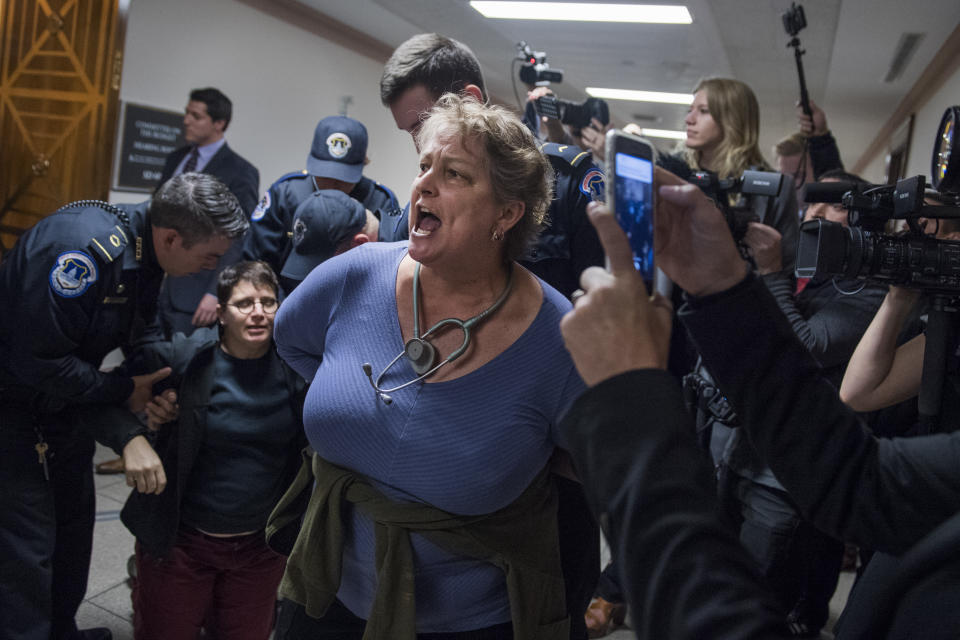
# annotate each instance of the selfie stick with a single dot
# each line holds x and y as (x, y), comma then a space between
(795, 20)
(804, 96)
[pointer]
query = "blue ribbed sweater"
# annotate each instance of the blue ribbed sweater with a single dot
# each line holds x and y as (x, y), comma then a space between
(469, 445)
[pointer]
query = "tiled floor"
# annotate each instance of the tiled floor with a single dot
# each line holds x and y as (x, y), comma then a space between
(108, 595)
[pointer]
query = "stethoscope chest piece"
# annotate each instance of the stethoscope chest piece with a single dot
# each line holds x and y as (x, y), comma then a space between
(421, 355)
(419, 352)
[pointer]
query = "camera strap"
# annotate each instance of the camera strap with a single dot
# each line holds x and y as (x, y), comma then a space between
(706, 397)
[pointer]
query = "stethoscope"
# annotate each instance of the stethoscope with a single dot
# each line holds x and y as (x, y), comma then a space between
(421, 353)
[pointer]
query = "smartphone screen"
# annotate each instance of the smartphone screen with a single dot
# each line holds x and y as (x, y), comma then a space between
(633, 197)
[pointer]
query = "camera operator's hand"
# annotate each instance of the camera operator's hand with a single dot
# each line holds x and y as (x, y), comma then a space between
(812, 125)
(554, 128)
(615, 326)
(594, 139)
(692, 242)
(763, 242)
(937, 228)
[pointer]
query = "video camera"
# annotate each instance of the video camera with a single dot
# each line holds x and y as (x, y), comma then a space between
(757, 191)
(536, 71)
(535, 68)
(863, 250)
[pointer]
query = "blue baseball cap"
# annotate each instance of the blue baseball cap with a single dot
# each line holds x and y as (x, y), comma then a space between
(320, 224)
(339, 149)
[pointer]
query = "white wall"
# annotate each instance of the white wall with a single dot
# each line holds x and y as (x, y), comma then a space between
(281, 79)
(924, 130)
(876, 170)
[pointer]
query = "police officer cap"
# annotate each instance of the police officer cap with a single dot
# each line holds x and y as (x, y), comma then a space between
(338, 150)
(320, 224)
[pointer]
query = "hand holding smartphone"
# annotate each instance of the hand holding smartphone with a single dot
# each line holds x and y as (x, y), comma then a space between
(630, 194)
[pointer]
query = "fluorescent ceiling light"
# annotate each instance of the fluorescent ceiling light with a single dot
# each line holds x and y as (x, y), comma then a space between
(584, 12)
(664, 133)
(640, 96)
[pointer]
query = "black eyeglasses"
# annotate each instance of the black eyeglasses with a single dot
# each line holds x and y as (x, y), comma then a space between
(269, 305)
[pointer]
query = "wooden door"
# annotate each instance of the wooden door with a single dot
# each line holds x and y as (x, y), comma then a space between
(60, 64)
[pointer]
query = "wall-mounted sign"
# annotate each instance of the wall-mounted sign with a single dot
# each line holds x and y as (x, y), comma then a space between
(148, 135)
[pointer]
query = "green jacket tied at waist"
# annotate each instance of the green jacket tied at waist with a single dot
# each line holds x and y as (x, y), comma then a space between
(520, 539)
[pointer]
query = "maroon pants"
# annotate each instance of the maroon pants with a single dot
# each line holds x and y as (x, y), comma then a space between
(227, 583)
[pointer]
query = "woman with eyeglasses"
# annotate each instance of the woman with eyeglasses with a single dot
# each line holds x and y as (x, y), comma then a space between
(230, 454)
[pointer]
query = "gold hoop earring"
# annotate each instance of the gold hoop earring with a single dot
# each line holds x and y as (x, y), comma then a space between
(497, 235)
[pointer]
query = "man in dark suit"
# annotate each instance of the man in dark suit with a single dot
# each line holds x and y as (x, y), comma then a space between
(190, 301)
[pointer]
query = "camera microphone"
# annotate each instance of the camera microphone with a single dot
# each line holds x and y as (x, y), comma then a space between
(831, 192)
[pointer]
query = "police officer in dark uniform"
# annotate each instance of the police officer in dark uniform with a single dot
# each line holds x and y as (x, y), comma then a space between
(79, 284)
(569, 244)
(336, 161)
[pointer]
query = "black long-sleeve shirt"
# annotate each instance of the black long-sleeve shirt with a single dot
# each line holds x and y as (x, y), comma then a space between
(686, 575)
(883, 494)
(824, 154)
(829, 317)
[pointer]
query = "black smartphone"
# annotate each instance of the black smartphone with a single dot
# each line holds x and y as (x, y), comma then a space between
(629, 159)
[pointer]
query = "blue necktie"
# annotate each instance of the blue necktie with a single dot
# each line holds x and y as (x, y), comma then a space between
(192, 161)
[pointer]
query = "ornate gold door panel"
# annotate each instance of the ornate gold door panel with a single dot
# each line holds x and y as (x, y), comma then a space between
(60, 64)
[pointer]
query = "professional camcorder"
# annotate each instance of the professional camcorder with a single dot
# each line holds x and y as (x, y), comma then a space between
(756, 189)
(535, 68)
(536, 71)
(915, 260)
(863, 250)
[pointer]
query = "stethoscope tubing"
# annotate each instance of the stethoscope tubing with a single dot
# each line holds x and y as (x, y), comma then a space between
(463, 325)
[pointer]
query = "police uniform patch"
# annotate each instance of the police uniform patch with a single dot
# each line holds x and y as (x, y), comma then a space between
(338, 144)
(592, 184)
(262, 207)
(73, 274)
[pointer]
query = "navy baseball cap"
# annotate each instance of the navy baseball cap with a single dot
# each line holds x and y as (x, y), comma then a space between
(320, 224)
(338, 150)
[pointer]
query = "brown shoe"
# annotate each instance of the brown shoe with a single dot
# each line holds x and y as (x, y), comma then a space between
(602, 617)
(110, 467)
